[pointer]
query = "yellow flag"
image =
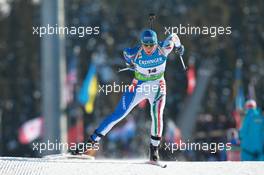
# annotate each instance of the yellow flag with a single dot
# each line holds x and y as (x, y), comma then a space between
(92, 91)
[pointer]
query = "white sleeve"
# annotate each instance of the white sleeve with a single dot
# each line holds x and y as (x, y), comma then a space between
(169, 43)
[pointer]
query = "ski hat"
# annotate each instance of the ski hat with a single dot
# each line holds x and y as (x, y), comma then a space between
(251, 104)
(149, 36)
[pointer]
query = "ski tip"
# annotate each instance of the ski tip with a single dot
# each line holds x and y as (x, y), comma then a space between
(164, 166)
(157, 164)
(69, 156)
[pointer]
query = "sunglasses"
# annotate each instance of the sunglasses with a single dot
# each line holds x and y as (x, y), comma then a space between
(148, 45)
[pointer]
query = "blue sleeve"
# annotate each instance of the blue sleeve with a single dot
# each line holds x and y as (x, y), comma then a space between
(130, 53)
(161, 43)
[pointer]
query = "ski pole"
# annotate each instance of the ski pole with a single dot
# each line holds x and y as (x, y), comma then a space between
(183, 65)
(125, 69)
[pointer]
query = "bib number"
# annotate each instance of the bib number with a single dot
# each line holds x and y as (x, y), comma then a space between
(151, 71)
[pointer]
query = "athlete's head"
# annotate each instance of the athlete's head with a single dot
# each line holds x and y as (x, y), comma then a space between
(251, 104)
(149, 41)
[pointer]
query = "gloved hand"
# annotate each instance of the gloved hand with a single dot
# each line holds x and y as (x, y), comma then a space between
(180, 50)
(131, 65)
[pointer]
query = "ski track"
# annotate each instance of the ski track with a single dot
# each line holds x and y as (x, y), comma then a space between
(35, 166)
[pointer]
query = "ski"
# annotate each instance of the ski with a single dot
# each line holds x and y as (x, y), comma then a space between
(69, 156)
(156, 163)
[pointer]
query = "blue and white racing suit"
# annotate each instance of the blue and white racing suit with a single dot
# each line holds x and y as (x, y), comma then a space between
(148, 84)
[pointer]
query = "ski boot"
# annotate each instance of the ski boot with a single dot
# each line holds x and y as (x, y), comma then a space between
(88, 148)
(154, 153)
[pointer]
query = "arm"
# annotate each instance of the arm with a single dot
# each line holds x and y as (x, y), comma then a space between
(130, 54)
(170, 42)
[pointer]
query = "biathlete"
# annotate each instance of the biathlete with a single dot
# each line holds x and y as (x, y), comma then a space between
(148, 60)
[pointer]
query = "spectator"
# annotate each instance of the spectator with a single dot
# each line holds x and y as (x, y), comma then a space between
(252, 134)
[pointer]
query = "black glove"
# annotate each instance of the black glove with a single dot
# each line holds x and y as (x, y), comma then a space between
(179, 50)
(131, 65)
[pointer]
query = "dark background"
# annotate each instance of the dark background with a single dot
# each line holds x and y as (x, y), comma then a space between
(120, 24)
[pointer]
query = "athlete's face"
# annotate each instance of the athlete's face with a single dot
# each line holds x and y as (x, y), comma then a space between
(149, 48)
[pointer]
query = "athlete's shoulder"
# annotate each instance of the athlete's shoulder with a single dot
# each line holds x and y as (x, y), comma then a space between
(130, 53)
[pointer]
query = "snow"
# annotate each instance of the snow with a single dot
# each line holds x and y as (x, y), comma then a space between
(16, 165)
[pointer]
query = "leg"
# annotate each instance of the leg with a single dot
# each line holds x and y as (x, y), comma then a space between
(127, 102)
(156, 110)
(157, 103)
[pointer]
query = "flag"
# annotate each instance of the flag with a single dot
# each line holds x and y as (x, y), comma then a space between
(88, 90)
(238, 87)
(30, 130)
(191, 78)
(238, 90)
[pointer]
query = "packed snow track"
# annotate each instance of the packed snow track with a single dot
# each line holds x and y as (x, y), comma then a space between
(47, 166)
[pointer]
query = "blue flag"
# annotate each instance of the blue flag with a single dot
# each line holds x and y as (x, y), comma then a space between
(88, 90)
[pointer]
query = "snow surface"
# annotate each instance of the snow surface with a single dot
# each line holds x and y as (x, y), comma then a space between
(16, 165)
